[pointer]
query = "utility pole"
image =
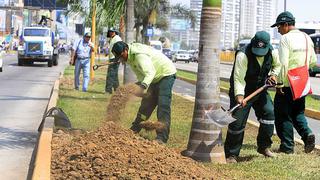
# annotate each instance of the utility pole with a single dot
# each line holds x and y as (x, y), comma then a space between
(93, 38)
(285, 5)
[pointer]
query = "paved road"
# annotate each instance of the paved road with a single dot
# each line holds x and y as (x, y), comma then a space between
(24, 95)
(225, 71)
(188, 89)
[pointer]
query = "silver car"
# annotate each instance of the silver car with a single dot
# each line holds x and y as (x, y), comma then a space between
(181, 55)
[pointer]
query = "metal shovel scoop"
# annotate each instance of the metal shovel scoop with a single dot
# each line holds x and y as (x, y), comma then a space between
(222, 117)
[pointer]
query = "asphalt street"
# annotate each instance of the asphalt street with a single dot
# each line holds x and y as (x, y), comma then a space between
(24, 95)
(226, 68)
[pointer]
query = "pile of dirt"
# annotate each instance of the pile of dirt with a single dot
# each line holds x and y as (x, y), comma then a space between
(112, 152)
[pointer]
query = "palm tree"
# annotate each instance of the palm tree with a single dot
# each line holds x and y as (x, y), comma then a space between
(128, 75)
(205, 140)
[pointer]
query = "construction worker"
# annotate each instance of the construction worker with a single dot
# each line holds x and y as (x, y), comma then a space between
(80, 57)
(156, 73)
(254, 65)
(112, 80)
(294, 47)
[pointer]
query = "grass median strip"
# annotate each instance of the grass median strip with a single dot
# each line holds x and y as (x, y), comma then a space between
(311, 103)
(88, 111)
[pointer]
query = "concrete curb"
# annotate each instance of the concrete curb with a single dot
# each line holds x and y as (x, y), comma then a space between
(308, 112)
(42, 165)
(251, 122)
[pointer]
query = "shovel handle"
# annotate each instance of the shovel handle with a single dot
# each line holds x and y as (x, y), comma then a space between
(255, 93)
(249, 97)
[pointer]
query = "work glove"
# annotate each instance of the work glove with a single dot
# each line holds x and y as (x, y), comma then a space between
(272, 80)
(240, 100)
(139, 90)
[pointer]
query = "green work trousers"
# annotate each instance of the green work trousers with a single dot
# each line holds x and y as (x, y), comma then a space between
(289, 114)
(158, 94)
(263, 107)
(112, 80)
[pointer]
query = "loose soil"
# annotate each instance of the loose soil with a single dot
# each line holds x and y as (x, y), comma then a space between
(112, 152)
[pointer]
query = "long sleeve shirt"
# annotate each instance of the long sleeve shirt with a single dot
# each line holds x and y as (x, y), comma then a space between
(292, 53)
(113, 40)
(149, 65)
(241, 66)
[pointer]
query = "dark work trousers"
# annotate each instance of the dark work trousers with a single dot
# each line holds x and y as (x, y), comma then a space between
(158, 94)
(112, 80)
(289, 114)
(263, 107)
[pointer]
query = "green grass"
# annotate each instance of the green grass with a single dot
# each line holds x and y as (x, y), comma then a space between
(311, 102)
(88, 111)
(83, 108)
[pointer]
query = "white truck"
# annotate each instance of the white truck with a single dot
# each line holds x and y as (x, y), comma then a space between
(37, 45)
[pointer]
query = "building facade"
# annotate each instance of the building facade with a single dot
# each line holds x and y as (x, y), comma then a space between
(240, 19)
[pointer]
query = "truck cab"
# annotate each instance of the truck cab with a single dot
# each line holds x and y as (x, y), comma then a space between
(37, 45)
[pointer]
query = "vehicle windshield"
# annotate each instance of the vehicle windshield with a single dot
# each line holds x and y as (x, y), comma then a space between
(36, 32)
(166, 50)
(158, 47)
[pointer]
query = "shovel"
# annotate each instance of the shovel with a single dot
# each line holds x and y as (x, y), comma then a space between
(95, 67)
(222, 117)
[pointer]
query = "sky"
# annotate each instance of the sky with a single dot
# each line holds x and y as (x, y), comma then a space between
(303, 10)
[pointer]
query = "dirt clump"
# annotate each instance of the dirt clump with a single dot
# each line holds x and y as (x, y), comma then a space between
(149, 126)
(119, 100)
(112, 152)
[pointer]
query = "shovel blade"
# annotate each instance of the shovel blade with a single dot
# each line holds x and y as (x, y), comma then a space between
(220, 117)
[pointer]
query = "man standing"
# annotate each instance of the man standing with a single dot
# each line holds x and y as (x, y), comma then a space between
(112, 80)
(289, 113)
(154, 72)
(254, 64)
(82, 50)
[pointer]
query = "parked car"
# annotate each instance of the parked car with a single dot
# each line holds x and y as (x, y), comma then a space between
(181, 55)
(194, 55)
(316, 41)
(1, 58)
(156, 45)
(167, 52)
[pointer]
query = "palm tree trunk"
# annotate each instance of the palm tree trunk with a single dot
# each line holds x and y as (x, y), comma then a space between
(205, 141)
(128, 73)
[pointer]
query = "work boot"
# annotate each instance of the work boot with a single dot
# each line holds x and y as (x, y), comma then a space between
(231, 159)
(266, 152)
(309, 143)
(160, 141)
(136, 128)
(285, 151)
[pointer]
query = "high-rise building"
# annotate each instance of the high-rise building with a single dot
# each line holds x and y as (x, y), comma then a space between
(229, 23)
(251, 15)
(196, 7)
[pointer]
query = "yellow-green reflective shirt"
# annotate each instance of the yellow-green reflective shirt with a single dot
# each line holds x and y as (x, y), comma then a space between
(241, 66)
(292, 53)
(113, 40)
(149, 65)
